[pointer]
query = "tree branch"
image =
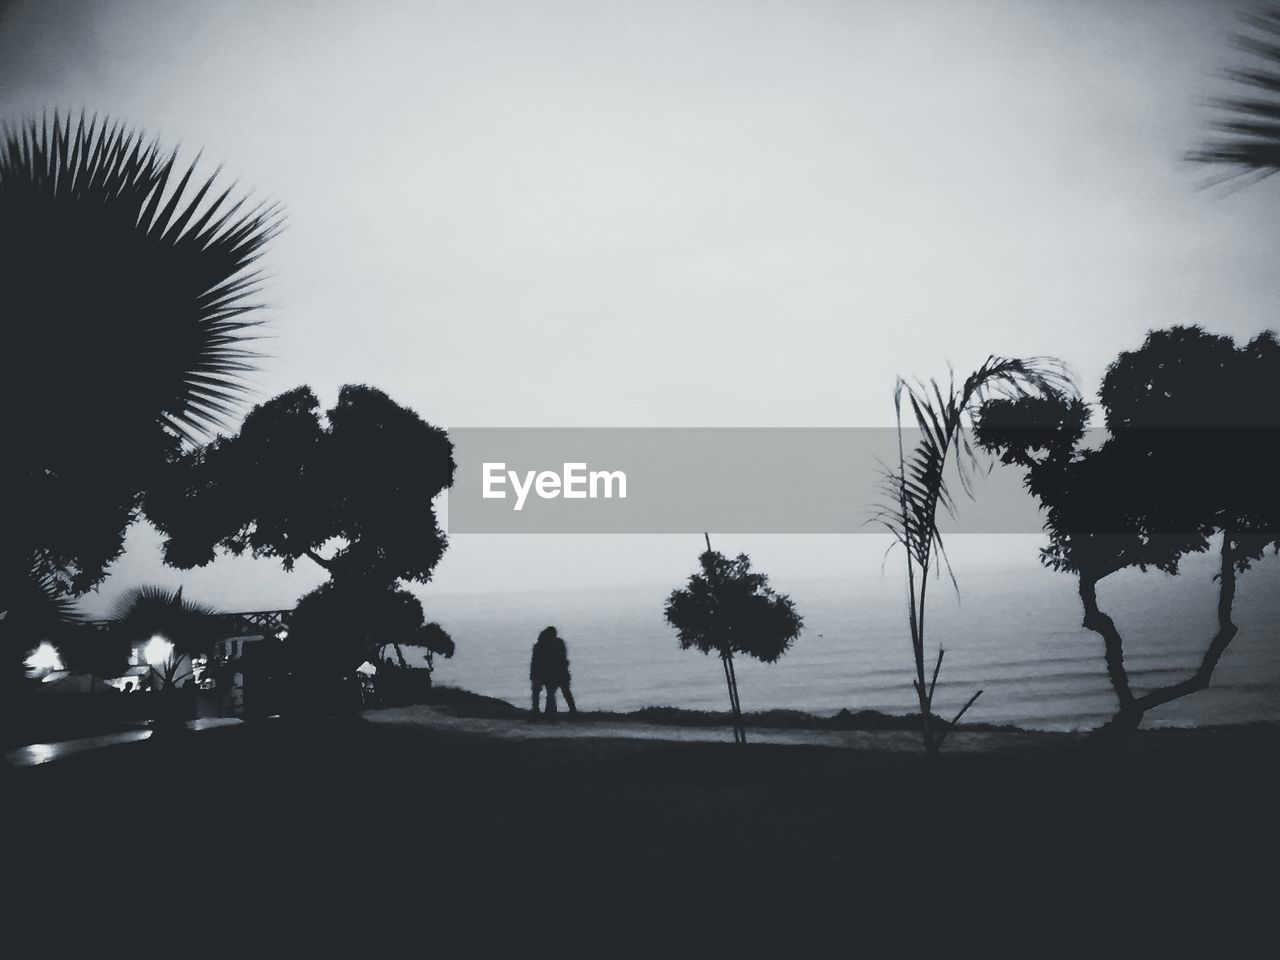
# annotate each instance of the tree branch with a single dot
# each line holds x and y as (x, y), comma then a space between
(327, 564)
(1217, 646)
(956, 719)
(934, 682)
(1131, 713)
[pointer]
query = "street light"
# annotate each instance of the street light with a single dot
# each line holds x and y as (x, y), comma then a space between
(45, 657)
(157, 651)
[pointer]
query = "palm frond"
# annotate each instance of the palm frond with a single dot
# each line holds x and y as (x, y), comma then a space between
(916, 490)
(36, 607)
(1245, 133)
(149, 610)
(133, 282)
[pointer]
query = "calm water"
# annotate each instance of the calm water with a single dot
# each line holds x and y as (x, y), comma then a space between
(1015, 634)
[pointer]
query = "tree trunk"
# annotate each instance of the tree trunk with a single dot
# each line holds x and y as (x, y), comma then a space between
(930, 741)
(926, 729)
(737, 702)
(733, 709)
(1112, 734)
(1113, 644)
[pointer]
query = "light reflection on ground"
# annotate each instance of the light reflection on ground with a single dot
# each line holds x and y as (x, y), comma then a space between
(34, 754)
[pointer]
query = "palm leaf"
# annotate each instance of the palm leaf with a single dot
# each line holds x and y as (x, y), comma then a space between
(918, 487)
(132, 282)
(1245, 132)
(146, 611)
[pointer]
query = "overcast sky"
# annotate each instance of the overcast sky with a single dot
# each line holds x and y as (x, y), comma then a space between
(690, 213)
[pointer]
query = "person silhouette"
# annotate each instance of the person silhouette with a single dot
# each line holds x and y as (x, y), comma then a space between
(549, 668)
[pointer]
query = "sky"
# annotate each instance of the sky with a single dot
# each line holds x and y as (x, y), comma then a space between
(648, 213)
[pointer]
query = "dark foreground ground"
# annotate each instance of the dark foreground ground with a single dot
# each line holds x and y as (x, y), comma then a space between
(377, 816)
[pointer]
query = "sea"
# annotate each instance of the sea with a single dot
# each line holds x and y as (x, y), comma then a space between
(1014, 634)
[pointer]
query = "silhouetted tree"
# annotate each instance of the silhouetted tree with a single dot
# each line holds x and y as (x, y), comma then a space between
(433, 640)
(354, 493)
(917, 486)
(129, 288)
(360, 488)
(341, 624)
(729, 609)
(1245, 137)
(1188, 461)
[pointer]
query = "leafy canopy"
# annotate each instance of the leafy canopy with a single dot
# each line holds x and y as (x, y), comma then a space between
(292, 484)
(729, 608)
(1191, 421)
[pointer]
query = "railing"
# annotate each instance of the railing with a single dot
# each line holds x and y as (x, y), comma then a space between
(246, 623)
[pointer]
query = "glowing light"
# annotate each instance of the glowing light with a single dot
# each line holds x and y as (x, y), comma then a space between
(45, 657)
(40, 753)
(157, 651)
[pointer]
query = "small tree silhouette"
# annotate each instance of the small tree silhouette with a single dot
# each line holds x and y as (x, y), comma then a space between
(1189, 459)
(399, 682)
(434, 640)
(917, 486)
(729, 609)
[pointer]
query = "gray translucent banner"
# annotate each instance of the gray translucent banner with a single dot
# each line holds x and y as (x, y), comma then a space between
(687, 480)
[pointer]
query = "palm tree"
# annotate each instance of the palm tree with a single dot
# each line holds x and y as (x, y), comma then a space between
(170, 629)
(1245, 135)
(917, 486)
(129, 286)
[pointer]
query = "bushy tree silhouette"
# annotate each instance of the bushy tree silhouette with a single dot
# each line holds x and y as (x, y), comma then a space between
(1188, 461)
(354, 493)
(359, 488)
(916, 487)
(345, 622)
(433, 640)
(129, 289)
(729, 609)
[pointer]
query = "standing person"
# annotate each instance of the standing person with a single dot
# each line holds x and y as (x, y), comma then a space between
(549, 667)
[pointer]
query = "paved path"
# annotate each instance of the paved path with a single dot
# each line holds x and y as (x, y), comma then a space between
(521, 728)
(34, 754)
